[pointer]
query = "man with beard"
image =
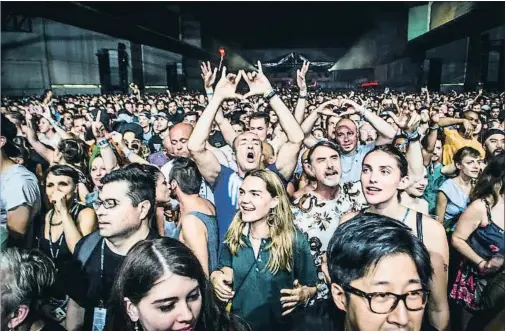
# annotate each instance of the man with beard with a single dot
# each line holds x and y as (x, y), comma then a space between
(247, 146)
(317, 213)
(494, 142)
(160, 131)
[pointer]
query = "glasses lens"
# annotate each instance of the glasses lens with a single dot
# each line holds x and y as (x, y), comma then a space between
(381, 303)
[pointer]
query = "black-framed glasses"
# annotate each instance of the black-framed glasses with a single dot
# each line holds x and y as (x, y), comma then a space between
(386, 302)
(107, 203)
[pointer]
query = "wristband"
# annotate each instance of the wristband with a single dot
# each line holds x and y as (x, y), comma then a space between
(414, 136)
(102, 143)
(269, 95)
(210, 94)
(434, 127)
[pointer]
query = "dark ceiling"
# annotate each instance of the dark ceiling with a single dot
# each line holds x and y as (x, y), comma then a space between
(290, 24)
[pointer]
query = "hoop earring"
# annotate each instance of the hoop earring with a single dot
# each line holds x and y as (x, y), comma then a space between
(271, 218)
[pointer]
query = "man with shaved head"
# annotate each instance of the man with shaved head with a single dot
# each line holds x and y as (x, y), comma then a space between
(178, 137)
(346, 135)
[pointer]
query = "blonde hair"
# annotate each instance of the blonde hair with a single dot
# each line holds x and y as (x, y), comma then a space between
(280, 222)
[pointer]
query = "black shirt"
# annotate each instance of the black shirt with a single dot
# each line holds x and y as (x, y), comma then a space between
(90, 286)
(177, 117)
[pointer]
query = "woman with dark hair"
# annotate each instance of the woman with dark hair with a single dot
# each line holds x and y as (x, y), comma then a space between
(479, 236)
(161, 286)
(64, 225)
(71, 152)
(384, 177)
(452, 198)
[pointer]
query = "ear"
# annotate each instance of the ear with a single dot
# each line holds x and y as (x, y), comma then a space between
(405, 183)
(338, 295)
(3, 141)
(310, 171)
(274, 203)
(18, 317)
(131, 310)
(173, 185)
(144, 208)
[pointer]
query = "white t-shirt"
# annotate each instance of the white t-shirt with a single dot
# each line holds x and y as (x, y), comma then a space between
(18, 187)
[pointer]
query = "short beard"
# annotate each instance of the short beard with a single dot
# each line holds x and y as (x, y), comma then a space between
(330, 183)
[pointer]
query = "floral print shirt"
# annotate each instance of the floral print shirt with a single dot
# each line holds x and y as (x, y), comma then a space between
(317, 219)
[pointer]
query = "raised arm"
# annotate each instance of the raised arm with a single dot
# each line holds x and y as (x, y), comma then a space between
(108, 156)
(31, 136)
(431, 139)
(386, 133)
(311, 120)
(414, 150)
(302, 98)
(209, 77)
(206, 161)
(288, 154)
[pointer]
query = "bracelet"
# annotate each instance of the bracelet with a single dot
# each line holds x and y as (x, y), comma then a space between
(434, 127)
(102, 143)
(480, 263)
(210, 94)
(302, 96)
(269, 95)
(414, 136)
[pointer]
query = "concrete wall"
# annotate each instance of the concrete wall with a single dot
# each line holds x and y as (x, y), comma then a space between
(56, 54)
(155, 67)
(453, 57)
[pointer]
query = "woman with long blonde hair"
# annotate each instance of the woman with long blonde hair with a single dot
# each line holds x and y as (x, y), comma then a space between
(265, 269)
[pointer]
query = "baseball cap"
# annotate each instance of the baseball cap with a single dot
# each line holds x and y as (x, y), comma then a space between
(485, 108)
(132, 127)
(162, 113)
(9, 131)
(145, 114)
(217, 140)
(491, 132)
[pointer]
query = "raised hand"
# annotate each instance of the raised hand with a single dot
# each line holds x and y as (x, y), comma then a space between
(413, 123)
(208, 75)
(58, 200)
(324, 108)
(98, 127)
(300, 76)
(227, 85)
(257, 81)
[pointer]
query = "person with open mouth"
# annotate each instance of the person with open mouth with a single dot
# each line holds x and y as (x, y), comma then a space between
(384, 176)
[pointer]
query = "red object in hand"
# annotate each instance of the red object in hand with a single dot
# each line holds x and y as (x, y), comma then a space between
(221, 52)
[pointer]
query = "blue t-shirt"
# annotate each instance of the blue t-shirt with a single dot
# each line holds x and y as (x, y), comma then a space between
(226, 191)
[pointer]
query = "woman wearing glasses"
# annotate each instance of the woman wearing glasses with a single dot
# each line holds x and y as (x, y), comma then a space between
(383, 178)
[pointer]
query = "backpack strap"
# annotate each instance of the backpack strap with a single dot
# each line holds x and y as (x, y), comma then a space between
(89, 244)
(419, 226)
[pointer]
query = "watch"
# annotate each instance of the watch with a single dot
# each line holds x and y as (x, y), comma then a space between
(269, 95)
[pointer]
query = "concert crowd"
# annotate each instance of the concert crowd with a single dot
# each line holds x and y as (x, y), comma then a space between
(250, 207)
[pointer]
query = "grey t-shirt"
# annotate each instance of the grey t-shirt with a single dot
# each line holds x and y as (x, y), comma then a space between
(353, 162)
(18, 187)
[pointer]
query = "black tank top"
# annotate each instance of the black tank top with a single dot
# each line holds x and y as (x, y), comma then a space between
(419, 222)
(58, 251)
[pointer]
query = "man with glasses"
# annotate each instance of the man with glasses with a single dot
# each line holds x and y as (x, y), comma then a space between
(379, 273)
(124, 210)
